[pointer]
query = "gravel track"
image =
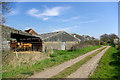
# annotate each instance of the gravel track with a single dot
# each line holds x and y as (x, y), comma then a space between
(88, 68)
(48, 73)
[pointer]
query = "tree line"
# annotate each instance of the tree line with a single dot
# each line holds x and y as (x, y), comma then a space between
(110, 39)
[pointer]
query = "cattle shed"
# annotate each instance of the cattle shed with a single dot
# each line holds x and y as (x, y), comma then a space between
(60, 40)
(9, 33)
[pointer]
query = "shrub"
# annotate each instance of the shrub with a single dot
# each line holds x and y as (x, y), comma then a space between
(118, 46)
(7, 56)
(53, 55)
(85, 44)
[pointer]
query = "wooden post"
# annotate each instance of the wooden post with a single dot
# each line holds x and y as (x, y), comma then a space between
(16, 53)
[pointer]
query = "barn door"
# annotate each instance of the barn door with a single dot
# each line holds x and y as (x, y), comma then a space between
(63, 45)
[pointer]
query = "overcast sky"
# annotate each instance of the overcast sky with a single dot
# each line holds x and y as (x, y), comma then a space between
(84, 18)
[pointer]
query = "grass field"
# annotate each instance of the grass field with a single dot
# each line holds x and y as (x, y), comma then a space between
(76, 66)
(58, 57)
(109, 65)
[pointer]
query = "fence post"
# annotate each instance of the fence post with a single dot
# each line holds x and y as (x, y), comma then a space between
(16, 53)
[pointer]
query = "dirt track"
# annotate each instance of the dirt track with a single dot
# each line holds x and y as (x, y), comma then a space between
(87, 69)
(48, 73)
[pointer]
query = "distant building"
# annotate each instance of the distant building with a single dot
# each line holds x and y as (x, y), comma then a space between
(31, 31)
(87, 37)
(78, 36)
(82, 37)
(58, 40)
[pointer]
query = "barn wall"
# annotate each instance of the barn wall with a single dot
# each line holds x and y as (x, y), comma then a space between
(58, 45)
(52, 45)
(0, 39)
(37, 47)
(70, 44)
(5, 38)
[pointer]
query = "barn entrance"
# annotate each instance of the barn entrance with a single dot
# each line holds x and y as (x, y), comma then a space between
(63, 45)
(25, 43)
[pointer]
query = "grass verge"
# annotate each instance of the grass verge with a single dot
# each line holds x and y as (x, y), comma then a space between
(76, 66)
(55, 59)
(109, 65)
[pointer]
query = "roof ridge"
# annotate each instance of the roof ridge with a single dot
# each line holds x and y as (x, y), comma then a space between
(62, 32)
(76, 34)
(75, 37)
(53, 35)
(50, 32)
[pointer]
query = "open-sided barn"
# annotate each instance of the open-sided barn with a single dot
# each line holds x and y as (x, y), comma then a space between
(58, 40)
(24, 39)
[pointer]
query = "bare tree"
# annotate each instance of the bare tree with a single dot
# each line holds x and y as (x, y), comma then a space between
(5, 8)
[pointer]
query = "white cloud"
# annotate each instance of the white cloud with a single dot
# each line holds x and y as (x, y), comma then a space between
(68, 29)
(55, 11)
(46, 18)
(75, 18)
(70, 19)
(90, 21)
(33, 12)
(52, 12)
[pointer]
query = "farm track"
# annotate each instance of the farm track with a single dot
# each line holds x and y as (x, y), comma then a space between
(88, 68)
(48, 73)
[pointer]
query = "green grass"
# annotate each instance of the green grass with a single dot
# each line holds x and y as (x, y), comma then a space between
(59, 57)
(76, 66)
(109, 65)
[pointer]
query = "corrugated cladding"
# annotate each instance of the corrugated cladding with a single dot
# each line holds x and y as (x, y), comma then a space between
(80, 37)
(62, 37)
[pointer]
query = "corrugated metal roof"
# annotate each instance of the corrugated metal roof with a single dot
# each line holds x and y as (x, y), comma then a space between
(20, 31)
(48, 35)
